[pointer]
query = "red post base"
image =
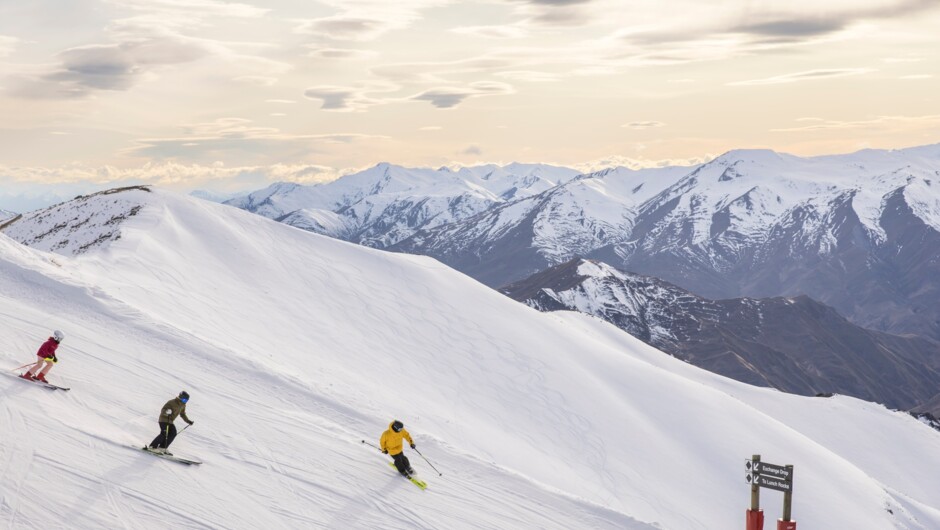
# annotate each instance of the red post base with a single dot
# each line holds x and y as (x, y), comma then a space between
(755, 520)
(786, 525)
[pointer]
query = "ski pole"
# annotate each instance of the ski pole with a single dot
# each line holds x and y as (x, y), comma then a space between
(429, 462)
(373, 445)
(18, 367)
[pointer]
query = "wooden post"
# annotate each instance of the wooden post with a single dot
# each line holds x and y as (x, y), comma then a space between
(755, 517)
(788, 497)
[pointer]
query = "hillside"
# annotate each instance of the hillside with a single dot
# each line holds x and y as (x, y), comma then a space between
(796, 345)
(295, 347)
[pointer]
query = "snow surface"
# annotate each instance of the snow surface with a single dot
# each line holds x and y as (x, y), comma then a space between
(295, 347)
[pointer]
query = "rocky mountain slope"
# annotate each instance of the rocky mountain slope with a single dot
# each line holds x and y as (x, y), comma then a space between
(793, 344)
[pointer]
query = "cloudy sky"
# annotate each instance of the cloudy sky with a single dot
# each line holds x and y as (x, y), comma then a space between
(224, 95)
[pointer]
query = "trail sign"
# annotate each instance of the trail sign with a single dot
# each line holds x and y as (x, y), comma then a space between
(770, 476)
(774, 483)
(781, 472)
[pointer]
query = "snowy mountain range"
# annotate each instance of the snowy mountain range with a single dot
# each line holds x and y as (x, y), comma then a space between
(5, 215)
(859, 232)
(381, 206)
(298, 348)
(793, 344)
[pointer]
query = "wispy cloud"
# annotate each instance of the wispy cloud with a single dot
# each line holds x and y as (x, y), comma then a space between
(256, 80)
(236, 139)
(192, 9)
(733, 29)
(85, 69)
(33, 187)
(365, 20)
(450, 97)
(349, 99)
(554, 12)
(639, 163)
(440, 71)
(340, 27)
(643, 124)
(509, 31)
(472, 150)
(903, 59)
(930, 120)
(142, 45)
(809, 75)
(532, 76)
(339, 53)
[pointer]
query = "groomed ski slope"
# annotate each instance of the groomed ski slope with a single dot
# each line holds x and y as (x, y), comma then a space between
(295, 347)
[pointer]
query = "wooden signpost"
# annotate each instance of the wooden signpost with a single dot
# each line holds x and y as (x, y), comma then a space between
(764, 475)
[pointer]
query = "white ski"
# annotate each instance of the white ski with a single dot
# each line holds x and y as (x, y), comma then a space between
(169, 457)
(40, 383)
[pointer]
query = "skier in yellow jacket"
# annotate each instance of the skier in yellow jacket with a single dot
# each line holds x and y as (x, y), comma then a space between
(391, 444)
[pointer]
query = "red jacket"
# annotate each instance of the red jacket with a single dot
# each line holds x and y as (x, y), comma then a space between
(48, 348)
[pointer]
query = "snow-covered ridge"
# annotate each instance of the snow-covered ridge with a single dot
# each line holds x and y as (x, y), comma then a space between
(756, 189)
(296, 347)
(6, 216)
(744, 194)
(76, 226)
(386, 203)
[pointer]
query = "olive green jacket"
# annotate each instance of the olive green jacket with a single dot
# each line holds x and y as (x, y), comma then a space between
(172, 409)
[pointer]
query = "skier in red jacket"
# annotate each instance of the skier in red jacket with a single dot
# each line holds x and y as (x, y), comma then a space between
(46, 356)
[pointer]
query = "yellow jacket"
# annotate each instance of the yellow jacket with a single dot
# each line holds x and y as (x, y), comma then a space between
(391, 440)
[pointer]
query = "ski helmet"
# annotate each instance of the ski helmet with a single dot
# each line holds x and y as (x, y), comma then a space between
(397, 425)
(58, 336)
(184, 396)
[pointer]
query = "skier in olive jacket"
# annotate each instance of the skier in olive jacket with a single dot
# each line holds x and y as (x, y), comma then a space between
(173, 408)
(391, 444)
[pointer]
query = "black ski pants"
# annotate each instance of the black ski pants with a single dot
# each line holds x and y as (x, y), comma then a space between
(401, 463)
(165, 438)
